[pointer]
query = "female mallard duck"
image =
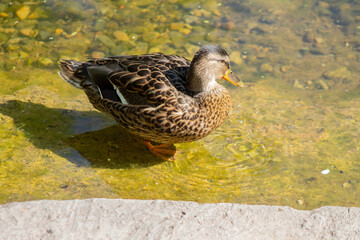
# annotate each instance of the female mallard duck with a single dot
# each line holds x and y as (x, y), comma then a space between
(162, 98)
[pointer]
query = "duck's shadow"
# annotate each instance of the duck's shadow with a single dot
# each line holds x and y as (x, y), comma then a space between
(58, 129)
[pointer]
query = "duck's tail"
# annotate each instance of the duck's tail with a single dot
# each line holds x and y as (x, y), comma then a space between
(72, 71)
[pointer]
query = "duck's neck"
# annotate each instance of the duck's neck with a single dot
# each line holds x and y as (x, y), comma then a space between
(200, 79)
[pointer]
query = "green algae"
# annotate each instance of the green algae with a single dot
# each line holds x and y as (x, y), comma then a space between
(33, 160)
(272, 149)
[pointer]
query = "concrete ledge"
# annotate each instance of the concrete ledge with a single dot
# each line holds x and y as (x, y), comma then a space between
(159, 219)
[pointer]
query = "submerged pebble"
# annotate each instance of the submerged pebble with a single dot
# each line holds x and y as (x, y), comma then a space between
(229, 25)
(297, 84)
(284, 69)
(44, 61)
(97, 54)
(265, 67)
(323, 85)
(308, 37)
(59, 31)
(23, 12)
(236, 57)
(121, 36)
(338, 74)
(44, 35)
(4, 15)
(108, 42)
(318, 51)
(29, 32)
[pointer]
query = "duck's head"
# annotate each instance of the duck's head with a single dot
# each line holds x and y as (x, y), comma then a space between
(209, 64)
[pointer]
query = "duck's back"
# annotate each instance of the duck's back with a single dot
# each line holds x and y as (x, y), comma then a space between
(139, 80)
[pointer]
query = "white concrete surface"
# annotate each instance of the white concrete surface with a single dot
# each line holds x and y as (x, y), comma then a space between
(159, 219)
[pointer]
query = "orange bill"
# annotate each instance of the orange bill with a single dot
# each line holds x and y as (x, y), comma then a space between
(229, 76)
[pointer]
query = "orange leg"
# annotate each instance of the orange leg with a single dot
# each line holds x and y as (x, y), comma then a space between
(163, 151)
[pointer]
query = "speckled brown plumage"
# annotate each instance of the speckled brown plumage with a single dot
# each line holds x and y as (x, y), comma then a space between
(150, 95)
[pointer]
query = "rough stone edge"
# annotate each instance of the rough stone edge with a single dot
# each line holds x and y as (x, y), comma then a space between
(162, 219)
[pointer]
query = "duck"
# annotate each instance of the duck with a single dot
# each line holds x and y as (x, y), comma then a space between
(165, 99)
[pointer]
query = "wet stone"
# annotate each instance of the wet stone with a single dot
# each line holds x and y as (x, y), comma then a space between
(270, 19)
(29, 32)
(145, 3)
(344, 16)
(338, 74)
(149, 36)
(191, 19)
(75, 9)
(118, 50)
(176, 26)
(23, 12)
(318, 51)
(229, 25)
(185, 31)
(297, 84)
(319, 42)
(4, 15)
(210, 5)
(59, 31)
(284, 69)
(38, 13)
(265, 67)
(309, 37)
(322, 85)
(44, 35)
(323, 4)
(108, 42)
(304, 51)
(100, 25)
(97, 54)
(235, 57)
(43, 61)
(121, 36)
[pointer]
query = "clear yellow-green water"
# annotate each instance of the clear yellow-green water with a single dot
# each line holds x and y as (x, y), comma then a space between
(298, 115)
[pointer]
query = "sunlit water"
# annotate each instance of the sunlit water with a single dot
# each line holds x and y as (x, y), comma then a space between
(292, 137)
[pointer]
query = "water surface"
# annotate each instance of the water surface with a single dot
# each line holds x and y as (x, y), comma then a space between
(298, 115)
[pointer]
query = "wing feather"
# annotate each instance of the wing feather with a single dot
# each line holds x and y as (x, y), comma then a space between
(151, 76)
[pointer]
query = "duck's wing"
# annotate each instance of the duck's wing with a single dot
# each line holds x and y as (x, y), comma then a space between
(154, 77)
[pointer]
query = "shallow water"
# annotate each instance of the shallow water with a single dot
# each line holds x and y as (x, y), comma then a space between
(298, 114)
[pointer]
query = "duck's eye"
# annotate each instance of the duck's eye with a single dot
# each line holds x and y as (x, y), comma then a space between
(222, 61)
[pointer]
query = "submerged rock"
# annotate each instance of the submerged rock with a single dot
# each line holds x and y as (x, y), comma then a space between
(309, 37)
(97, 54)
(236, 57)
(44, 35)
(323, 85)
(44, 61)
(29, 32)
(108, 42)
(297, 84)
(338, 74)
(121, 36)
(23, 12)
(4, 15)
(265, 67)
